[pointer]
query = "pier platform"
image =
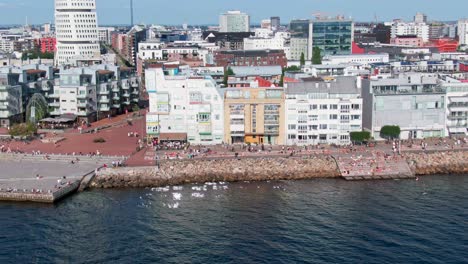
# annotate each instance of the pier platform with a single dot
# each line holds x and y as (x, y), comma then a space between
(373, 167)
(36, 179)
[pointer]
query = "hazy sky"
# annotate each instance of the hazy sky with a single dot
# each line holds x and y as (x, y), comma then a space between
(207, 11)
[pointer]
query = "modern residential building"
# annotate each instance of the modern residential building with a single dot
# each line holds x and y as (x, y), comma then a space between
(183, 108)
(400, 28)
(47, 44)
(323, 111)
(456, 103)
(11, 103)
(462, 31)
(105, 34)
(76, 31)
(254, 115)
(250, 58)
(412, 101)
(95, 92)
(275, 23)
(299, 30)
(234, 21)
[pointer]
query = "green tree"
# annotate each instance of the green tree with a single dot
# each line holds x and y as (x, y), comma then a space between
(390, 132)
(360, 136)
(281, 83)
(316, 56)
(228, 72)
(292, 68)
(302, 59)
(37, 108)
(23, 130)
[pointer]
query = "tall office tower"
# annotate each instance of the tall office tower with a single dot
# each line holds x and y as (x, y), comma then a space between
(234, 21)
(463, 31)
(420, 18)
(76, 31)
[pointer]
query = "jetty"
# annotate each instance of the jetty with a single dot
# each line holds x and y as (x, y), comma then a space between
(365, 166)
(46, 178)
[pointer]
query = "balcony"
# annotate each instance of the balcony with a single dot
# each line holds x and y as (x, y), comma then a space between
(457, 117)
(116, 106)
(104, 100)
(55, 113)
(126, 95)
(54, 104)
(136, 92)
(106, 92)
(3, 107)
(82, 113)
(46, 88)
(125, 85)
(82, 105)
(126, 102)
(116, 97)
(79, 96)
(115, 89)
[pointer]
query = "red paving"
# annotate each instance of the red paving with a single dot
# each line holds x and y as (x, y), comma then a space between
(117, 140)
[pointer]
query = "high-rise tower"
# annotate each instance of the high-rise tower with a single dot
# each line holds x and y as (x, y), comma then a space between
(76, 31)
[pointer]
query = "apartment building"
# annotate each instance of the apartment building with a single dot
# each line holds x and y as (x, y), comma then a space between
(93, 93)
(456, 103)
(323, 111)
(234, 21)
(183, 108)
(11, 103)
(254, 115)
(413, 101)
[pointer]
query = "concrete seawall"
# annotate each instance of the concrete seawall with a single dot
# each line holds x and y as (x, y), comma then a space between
(262, 169)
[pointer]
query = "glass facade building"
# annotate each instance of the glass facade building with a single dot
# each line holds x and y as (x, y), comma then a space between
(333, 37)
(299, 28)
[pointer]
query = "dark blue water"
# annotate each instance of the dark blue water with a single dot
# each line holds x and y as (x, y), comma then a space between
(318, 221)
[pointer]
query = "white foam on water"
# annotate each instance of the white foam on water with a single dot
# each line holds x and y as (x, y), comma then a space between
(160, 189)
(177, 188)
(225, 187)
(198, 195)
(215, 187)
(197, 188)
(176, 196)
(210, 183)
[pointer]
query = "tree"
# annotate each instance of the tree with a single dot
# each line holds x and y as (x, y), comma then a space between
(390, 132)
(292, 68)
(302, 59)
(228, 72)
(360, 136)
(281, 83)
(316, 56)
(34, 54)
(23, 130)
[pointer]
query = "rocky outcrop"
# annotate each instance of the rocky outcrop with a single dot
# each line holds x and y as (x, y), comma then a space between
(228, 170)
(446, 162)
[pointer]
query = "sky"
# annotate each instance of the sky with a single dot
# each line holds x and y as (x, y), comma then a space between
(177, 12)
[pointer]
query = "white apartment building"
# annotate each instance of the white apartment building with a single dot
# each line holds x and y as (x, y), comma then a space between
(105, 34)
(363, 59)
(234, 21)
(254, 43)
(323, 112)
(456, 104)
(7, 45)
(463, 31)
(184, 108)
(76, 31)
(297, 47)
(421, 30)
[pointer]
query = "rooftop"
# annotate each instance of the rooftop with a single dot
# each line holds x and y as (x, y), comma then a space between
(340, 85)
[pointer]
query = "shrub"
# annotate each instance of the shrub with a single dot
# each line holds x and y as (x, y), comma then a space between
(23, 130)
(99, 140)
(360, 136)
(390, 132)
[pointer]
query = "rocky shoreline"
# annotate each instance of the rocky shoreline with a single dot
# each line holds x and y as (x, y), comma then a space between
(175, 172)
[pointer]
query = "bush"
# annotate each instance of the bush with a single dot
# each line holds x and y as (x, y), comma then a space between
(23, 130)
(360, 136)
(99, 140)
(390, 132)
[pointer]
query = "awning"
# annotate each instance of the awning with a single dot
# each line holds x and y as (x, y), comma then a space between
(173, 136)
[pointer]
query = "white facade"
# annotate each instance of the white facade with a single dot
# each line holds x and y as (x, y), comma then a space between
(7, 45)
(323, 112)
(263, 43)
(421, 30)
(76, 31)
(234, 21)
(364, 59)
(105, 34)
(185, 105)
(456, 107)
(463, 31)
(297, 47)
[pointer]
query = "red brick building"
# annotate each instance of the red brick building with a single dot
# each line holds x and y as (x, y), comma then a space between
(229, 58)
(46, 45)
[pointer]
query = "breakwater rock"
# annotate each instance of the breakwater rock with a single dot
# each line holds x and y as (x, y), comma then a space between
(443, 162)
(229, 170)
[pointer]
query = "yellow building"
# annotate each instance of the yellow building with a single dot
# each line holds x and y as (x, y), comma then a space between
(254, 115)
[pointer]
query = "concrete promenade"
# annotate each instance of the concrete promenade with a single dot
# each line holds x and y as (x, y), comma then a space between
(37, 179)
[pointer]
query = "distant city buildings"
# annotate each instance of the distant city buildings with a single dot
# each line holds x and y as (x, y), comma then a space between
(234, 21)
(463, 31)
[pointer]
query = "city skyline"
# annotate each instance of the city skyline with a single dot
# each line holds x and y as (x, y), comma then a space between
(118, 11)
